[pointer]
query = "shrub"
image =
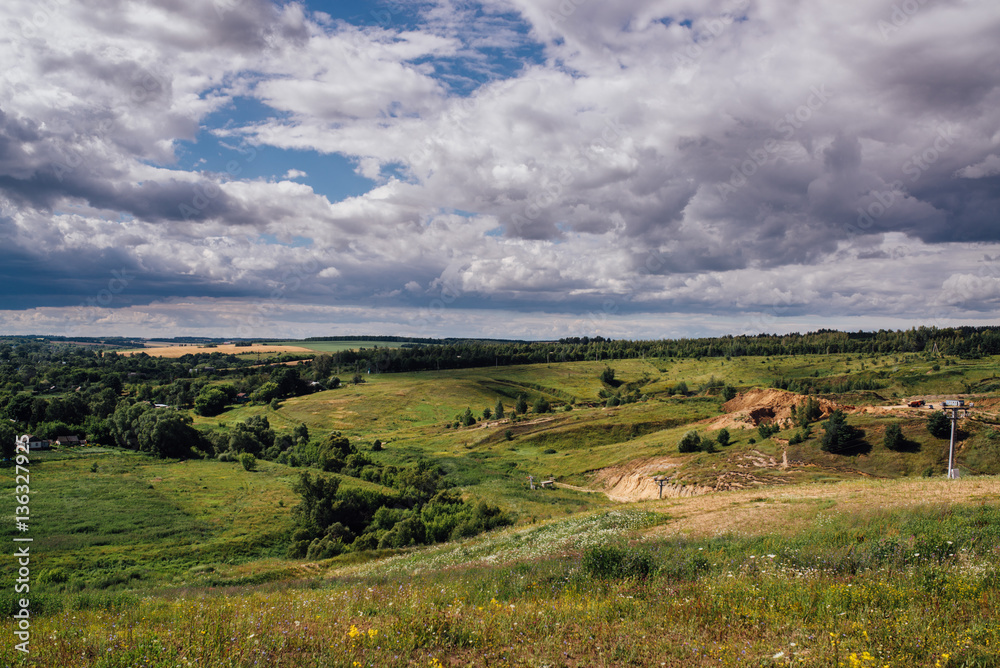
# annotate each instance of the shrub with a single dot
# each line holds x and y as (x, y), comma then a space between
(767, 430)
(939, 425)
(893, 439)
(691, 442)
(728, 393)
(838, 433)
(541, 405)
(611, 561)
(248, 461)
(723, 437)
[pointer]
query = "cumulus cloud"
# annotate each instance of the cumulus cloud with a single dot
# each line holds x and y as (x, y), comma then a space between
(602, 161)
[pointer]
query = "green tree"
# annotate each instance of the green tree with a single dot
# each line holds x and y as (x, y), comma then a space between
(8, 440)
(838, 434)
(939, 425)
(210, 402)
(690, 442)
(766, 430)
(103, 403)
(487, 413)
(608, 376)
(248, 461)
(498, 410)
(723, 437)
(893, 439)
(468, 419)
(808, 412)
(541, 405)
(265, 393)
(166, 433)
(521, 406)
(300, 434)
(728, 393)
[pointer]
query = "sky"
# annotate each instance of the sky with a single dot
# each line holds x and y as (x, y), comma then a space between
(504, 168)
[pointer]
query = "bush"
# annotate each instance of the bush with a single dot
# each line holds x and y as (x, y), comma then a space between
(723, 437)
(541, 405)
(728, 393)
(611, 561)
(939, 425)
(838, 434)
(691, 442)
(893, 439)
(377, 446)
(767, 430)
(248, 461)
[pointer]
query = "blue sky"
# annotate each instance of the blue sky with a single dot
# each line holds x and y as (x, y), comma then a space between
(508, 168)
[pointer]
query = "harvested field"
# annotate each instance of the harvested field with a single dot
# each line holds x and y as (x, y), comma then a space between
(225, 349)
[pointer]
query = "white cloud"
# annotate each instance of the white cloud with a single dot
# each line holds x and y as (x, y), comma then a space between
(711, 158)
(988, 167)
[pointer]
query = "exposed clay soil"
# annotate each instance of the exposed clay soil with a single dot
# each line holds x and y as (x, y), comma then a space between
(633, 481)
(764, 406)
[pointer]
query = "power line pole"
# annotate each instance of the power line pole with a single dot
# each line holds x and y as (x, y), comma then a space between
(954, 407)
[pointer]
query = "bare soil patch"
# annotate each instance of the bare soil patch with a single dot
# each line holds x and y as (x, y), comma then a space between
(633, 481)
(765, 406)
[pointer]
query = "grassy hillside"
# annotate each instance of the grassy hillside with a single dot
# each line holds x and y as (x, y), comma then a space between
(812, 575)
(797, 556)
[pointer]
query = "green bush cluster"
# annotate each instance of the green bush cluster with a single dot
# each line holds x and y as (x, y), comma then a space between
(604, 562)
(420, 510)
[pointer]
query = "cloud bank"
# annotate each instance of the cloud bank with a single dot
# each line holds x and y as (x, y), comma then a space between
(535, 167)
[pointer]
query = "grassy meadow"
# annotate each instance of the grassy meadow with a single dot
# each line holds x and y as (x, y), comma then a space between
(797, 556)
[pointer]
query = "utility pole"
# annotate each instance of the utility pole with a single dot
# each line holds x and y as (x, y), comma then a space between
(954, 407)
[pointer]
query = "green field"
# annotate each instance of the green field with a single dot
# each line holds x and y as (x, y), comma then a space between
(335, 346)
(797, 557)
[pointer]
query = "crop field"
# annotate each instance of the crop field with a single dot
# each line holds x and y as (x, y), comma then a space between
(223, 348)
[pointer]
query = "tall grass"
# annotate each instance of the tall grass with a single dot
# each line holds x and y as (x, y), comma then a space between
(869, 589)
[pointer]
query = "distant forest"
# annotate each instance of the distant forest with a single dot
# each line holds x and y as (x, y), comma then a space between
(966, 342)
